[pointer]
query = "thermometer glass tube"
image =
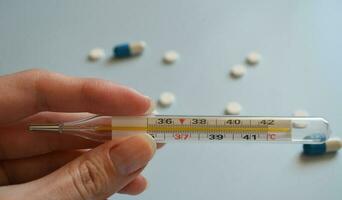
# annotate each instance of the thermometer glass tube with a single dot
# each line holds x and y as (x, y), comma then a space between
(187, 128)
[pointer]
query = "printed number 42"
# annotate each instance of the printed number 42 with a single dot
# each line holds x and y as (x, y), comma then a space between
(267, 122)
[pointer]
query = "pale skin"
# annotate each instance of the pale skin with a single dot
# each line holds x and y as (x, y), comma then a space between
(47, 166)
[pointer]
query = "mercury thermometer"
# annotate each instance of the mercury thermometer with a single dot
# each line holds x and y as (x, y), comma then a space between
(187, 128)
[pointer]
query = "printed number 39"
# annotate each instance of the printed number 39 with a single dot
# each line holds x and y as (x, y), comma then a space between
(215, 136)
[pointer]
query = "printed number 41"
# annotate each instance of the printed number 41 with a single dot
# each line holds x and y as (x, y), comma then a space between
(250, 137)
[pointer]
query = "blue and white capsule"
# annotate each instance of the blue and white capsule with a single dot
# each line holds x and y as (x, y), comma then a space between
(331, 145)
(129, 49)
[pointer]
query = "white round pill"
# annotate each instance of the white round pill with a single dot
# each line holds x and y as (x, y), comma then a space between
(170, 57)
(253, 58)
(96, 54)
(166, 99)
(237, 71)
(300, 123)
(233, 108)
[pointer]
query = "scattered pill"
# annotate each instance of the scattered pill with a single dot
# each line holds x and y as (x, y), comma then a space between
(253, 58)
(170, 57)
(96, 54)
(300, 113)
(300, 123)
(129, 49)
(237, 71)
(166, 99)
(331, 145)
(233, 108)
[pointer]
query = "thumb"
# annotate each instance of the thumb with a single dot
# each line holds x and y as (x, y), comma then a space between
(100, 172)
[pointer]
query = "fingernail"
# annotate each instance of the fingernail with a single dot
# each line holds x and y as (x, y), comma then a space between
(147, 98)
(139, 93)
(147, 185)
(134, 91)
(151, 108)
(133, 153)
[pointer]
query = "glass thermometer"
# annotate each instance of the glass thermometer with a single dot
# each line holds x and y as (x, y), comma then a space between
(187, 128)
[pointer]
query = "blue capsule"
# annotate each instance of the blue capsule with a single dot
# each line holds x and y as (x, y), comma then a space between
(128, 49)
(331, 145)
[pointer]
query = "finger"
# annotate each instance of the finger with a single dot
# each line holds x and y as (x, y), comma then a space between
(98, 173)
(17, 142)
(29, 92)
(32, 144)
(137, 186)
(28, 169)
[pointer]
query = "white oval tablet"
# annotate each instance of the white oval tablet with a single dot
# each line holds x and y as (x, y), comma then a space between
(96, 54)
(233, 108)
(300, 124)
(253, 58)
(170, 57)
(237, 71)
(166, 99)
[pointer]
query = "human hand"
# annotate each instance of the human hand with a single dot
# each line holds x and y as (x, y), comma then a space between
(51, 166)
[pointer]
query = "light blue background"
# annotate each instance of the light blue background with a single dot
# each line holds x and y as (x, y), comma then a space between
(300, 42)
